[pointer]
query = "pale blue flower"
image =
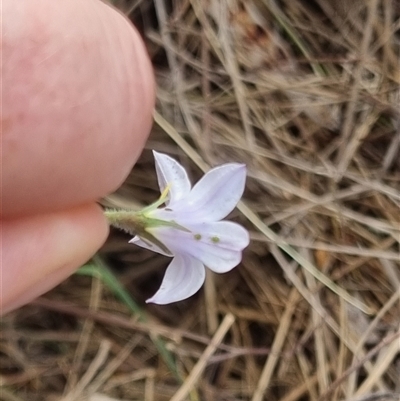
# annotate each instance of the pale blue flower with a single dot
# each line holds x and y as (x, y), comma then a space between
(189, 227)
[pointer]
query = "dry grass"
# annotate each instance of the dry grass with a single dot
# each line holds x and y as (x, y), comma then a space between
(306, 93)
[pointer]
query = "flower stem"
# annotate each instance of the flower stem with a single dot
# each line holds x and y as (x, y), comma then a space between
(129, 221)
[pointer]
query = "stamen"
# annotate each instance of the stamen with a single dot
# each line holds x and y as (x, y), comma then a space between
(160, 200)
(164, 193)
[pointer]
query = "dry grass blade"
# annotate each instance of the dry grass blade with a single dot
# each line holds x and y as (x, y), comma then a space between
(93, 369)
(195, 373)
(389, 340)
(276, 348)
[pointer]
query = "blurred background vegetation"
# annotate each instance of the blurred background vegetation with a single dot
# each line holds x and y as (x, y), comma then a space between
(306, 93)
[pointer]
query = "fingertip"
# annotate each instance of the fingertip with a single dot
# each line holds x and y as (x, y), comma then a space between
(41, 251)
(78, 101)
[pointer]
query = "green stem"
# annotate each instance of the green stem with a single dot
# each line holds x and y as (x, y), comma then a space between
(137, 223)
(99, 269)
(127, 220)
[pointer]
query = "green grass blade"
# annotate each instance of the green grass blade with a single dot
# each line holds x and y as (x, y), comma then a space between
(99, 270)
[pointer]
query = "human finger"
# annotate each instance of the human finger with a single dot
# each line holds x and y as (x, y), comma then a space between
(78, 94)
(41, 251)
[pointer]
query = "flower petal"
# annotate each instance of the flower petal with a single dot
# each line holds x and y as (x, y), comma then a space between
(214, 196)
(218, 245)
(170, 172)
(183, 278)
(148, 245)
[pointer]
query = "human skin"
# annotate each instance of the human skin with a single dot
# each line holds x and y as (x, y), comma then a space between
(77, 101)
